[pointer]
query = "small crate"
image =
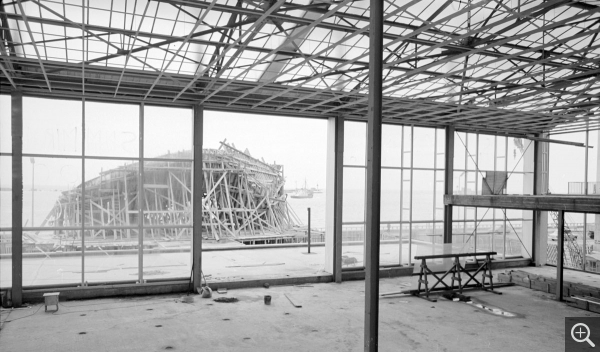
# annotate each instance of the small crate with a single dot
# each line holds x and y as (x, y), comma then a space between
(51, 299)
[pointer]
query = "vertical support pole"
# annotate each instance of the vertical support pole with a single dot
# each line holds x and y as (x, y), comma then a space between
(585, 191)
(17, 197)
(140, 196)
(197, 196)
(332, 197)
(83, 193)
(540, 218)
(596, 190)
(560, 249)
(371, 342)
(448, 182)
(308, 230)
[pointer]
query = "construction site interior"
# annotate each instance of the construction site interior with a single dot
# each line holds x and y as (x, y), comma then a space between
(347, 159)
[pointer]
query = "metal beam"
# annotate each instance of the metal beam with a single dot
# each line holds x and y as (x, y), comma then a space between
(37, 53)
(248, 32)
(187, 38)
(372, 214)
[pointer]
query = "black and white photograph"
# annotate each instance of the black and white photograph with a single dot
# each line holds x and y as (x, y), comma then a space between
(299, 175)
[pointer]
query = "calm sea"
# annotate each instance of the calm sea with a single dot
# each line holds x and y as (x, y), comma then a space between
(353, 207)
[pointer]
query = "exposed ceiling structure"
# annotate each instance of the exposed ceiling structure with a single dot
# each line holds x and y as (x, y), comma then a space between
(505, 66)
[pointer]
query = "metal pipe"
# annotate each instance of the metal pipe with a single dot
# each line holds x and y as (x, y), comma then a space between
(308, 230)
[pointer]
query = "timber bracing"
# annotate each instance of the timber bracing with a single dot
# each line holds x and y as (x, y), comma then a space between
(242, 197)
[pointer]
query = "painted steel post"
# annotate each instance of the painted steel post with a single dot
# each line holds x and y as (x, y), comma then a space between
(372, 250)
(17, 197)
(560, 250)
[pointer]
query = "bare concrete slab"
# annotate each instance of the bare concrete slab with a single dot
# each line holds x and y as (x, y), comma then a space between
(331, 319)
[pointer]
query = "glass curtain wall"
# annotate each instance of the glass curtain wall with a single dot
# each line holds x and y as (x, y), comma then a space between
(487, 164)
(574, 171)
(412, 186)
(106, 193)
(5, 193)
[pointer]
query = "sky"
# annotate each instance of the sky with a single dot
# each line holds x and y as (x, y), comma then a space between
(296, 143)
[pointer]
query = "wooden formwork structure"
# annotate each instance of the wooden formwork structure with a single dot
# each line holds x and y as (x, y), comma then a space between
(242, 196)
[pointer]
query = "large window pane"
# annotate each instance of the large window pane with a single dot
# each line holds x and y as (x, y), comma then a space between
(516, 150)
(567, 163)
(49, 192)
(261, 173)
(5, 191)
(353, 246)
(168, 193)
(459, 150)
(390, 195)
(177, 143)
(167, 252)
(441, 149)
(5, 124)
(424, 147)
(423, 195)
(408, 146)
(111, 189)
(52, 126)
(501, 154)
(5, 259)
(486, 152)
(47, 262)
(471, 142)
(111, 129)
(109, 263)
(391, 145)
(355, 143)
(354, 195)
(390, 247)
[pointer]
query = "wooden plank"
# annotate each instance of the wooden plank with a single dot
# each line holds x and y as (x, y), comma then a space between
(294, 302)
(586, 204)
(437, 256)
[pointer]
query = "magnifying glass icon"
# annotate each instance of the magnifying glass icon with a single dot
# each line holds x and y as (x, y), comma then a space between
(583, 334)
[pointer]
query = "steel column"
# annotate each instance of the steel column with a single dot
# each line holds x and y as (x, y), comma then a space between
(560, 249)
(448, 181)
(372, 239)
(334, 197)
(17, 197)
(197, 196)
(140, 195)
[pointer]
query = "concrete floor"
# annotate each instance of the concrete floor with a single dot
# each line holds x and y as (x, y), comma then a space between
(331, 319)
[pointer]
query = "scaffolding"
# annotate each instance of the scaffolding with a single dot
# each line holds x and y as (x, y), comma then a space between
(241, 197)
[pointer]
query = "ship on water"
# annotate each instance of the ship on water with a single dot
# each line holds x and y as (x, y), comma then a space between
(302, 192)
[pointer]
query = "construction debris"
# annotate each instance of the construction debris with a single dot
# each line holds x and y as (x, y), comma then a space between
(225, 299)
(292, 301)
